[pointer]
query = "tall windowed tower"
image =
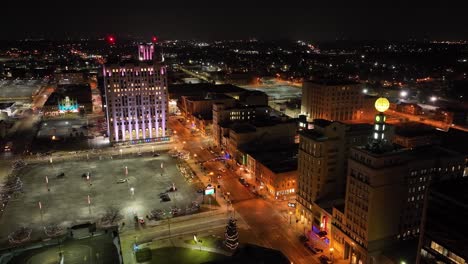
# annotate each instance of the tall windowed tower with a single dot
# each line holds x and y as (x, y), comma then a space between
(136, 100)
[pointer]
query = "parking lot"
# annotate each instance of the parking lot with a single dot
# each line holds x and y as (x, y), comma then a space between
(64, 200)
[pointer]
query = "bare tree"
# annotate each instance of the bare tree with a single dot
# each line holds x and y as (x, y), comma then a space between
(111, 217)
(53, 230)
(21, 235)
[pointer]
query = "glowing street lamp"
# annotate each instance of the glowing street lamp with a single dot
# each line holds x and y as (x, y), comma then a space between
(331, 253)
(433, 98)
(120, 150)
(403, 93)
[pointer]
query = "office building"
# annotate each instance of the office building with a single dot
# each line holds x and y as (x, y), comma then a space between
(385, 192)
(227, 113)
(444, 236)
(331, 100)
(136, 101)
(323, 156)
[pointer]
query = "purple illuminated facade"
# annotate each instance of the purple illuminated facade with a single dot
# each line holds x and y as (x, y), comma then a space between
(136, 102)
(145, 52)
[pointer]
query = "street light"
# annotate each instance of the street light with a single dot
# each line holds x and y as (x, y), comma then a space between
(290, 215)
(132, 190)
(433, 98)
(403, 93)
(331, 254)
(120, 150)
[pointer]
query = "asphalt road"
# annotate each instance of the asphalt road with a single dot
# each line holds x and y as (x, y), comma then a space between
(268, 225)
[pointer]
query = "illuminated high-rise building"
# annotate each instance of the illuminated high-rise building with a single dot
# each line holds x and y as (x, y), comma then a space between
(136, 99)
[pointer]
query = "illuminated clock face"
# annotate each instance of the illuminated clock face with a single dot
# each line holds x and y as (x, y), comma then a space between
(382, 104)
(377, 118)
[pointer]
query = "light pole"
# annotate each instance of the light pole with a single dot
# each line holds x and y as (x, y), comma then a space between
(40, 211)
(331, 253)
(290, 216)
(47, 183)
(89, 204)
(132, 191)
(120, 150)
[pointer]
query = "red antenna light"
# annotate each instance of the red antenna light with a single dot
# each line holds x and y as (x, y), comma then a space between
(154, 39)
(111, 40)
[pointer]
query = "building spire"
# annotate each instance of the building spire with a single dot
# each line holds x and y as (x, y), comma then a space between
(378, 138)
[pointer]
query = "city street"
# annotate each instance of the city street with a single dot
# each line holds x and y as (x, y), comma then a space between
(268, 224)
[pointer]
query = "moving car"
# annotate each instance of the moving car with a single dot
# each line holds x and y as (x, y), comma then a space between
(156, 155)
(122, 180)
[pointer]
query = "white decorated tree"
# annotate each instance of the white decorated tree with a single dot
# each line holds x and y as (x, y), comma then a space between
(231, 236)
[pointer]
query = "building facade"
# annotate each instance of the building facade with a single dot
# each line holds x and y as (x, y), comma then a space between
(228, 113)
(444, 237)
(136, 102)
(385, 193)
(331, 100)
(323, 153)
(276, 174)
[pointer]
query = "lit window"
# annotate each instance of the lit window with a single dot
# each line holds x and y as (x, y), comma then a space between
(376, 136)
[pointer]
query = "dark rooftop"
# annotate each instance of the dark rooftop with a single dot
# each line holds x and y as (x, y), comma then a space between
(209, 97)
(322, 122)
(413, 129)
(201, 89)
(332, 82)
(313, 134)
(279, 160)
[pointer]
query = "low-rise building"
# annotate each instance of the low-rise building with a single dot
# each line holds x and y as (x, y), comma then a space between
(275, 171)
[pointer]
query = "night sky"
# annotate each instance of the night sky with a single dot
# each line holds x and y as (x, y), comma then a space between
(309, 20)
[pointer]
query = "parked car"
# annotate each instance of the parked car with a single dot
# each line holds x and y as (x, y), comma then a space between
(165, 198)
(303, 238)
(122, 180)
(61, 175)
(310, 248)
(324, 259)
(156, 155)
